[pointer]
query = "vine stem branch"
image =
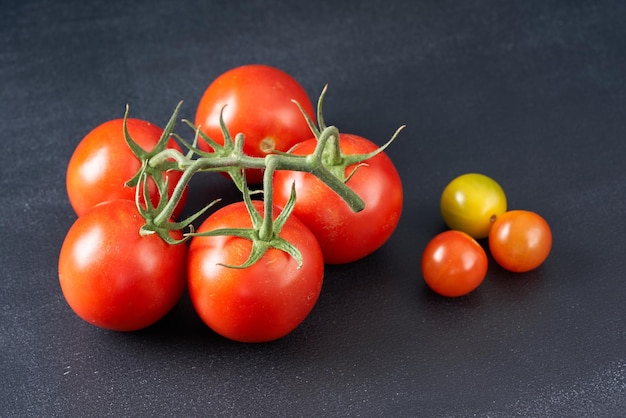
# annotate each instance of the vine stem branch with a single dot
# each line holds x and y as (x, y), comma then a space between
(326, 162)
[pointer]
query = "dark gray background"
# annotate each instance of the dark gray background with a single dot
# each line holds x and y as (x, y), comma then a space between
(531, 93)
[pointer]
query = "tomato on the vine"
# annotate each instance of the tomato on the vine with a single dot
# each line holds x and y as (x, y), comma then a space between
(258, 103)
(454, 264)
(344, 235)
(114, 278)
(520, 240)
(471, 203)
(259, 303)
(103, 162)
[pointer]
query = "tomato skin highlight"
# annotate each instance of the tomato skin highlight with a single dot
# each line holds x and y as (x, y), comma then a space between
(258, 101)
(114, 278)
(471, 202)
(520, 240)
(260, 303)
(102, 163)
(346, 236)
(454, 264)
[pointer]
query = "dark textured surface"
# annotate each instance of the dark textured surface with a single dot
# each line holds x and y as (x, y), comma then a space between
(532, 93)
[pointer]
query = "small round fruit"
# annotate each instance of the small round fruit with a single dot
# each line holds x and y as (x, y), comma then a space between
(103, 162)
(520, 240)
(255, 100)
(259, 303)
(114, 278)
(454, 264)
(471, 203)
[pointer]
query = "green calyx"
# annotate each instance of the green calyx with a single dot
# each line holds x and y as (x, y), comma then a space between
(326, 162)
(328, 139)
(264, 232)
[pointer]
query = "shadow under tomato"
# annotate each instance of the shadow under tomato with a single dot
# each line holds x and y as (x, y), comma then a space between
(473, 300)
(181, 323)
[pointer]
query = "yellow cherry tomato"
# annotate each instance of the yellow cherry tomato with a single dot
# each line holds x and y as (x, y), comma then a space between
(471, 203)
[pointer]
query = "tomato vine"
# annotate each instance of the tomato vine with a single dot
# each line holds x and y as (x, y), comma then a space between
(326, 162)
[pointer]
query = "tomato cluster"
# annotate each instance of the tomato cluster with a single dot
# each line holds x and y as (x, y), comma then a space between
(254, 269)
(474, 206)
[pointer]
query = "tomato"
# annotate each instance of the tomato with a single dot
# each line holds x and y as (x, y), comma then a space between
(520, 240)
(102, 163)
(258, 101)
(454, 264)
(344, 235)
(260, 303)
(471, 202)
(114, 278)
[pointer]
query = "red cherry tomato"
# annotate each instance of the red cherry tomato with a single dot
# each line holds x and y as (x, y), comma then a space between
(260, 303)
(102, 163)
(344, 235)
(258, 101)
(454, 264)
(114, 278)
(520, 240)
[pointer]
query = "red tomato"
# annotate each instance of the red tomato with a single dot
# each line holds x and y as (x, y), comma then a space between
(520, 240)
(344, 235)
(259, 303)
(258, 99)
(454, 264)
(114, 278)
(102, 163)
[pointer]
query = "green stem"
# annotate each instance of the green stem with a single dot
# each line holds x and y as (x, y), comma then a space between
(169, 157)
(326, 162)
(177, 194)
(310, 163)
(330, 146)
(317, 168)
(266, 231)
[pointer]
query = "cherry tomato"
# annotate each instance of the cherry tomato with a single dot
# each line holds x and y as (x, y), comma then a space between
(471, 202)
(102, 163)
(114, 278)
(260, 303)
(520, 240)
(258, 101)
(344, 235)
(454, 264)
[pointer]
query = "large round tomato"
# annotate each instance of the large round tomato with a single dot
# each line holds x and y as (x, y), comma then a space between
(114, 278)
(520, 240)
(258, 100)
(344, 235)
(471, 203)
(259, 303)
(454, 264)
(102, 163)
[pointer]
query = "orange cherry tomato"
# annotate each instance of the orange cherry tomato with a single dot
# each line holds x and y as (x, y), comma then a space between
(520, 240)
